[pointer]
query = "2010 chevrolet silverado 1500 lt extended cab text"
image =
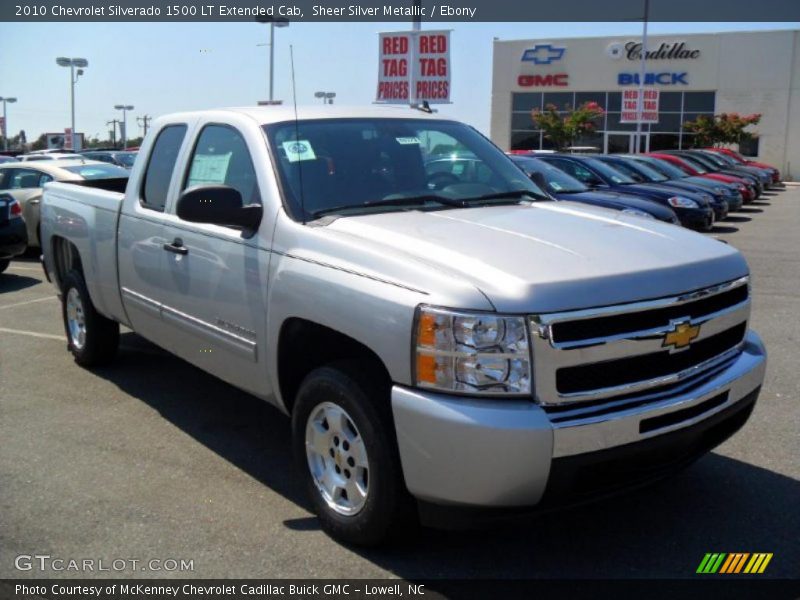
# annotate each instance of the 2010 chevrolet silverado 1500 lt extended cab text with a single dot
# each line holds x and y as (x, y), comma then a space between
(443, 341)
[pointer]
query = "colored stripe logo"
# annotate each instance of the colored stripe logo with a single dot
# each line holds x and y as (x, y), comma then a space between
(734, 562)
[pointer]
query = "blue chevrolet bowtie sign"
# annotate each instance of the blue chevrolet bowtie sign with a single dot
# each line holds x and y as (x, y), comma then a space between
(543, 54)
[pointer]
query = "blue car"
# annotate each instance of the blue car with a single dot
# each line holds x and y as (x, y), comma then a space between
(644, 174)
(693, 210)
(563, 187)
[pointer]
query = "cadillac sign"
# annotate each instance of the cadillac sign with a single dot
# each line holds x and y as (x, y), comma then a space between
(664, 51)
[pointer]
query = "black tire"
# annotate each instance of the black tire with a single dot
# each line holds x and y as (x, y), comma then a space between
(101, 334)
(4, 265)
(389, 509)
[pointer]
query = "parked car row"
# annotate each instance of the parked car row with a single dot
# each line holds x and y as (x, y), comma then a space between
(22, 182)
(695, 188)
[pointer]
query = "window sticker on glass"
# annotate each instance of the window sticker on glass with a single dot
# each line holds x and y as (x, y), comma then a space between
(209, 169)
(297, 150)
(555, 185)
(407, 140)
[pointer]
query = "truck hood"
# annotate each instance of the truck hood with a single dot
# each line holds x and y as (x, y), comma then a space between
(551, 256)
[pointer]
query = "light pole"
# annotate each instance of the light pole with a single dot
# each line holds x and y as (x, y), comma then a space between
(81, 63)
(124, 108)
(273, 23)
(327, 97)
(5, 121)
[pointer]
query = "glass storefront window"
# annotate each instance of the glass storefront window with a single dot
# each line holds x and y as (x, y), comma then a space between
(522, 121)
(582, 97)
(749, 147)
(614, 101)
(668, 122)
(698, 101)
(664, 141)
(561, 99)
(523, 140)
(526, 102)
(670, 101)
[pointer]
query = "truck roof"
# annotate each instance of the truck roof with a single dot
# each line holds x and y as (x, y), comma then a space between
(277, 114)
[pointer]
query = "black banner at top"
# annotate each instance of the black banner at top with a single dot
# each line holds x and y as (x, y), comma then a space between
(398, 10)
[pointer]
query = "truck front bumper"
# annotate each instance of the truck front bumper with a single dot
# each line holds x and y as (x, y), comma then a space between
(469, 452)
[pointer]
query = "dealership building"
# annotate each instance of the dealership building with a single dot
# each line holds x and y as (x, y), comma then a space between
(744, 72)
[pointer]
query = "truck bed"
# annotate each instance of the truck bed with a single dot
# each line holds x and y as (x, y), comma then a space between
(86, 214)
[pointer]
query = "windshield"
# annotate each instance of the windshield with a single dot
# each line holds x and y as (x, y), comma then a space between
(696, 165)
(668, 170)
(366, 165)
(700, 160)
(638, 170)
(98, 171)
(557, 181)
(126, 159)
(609, 172)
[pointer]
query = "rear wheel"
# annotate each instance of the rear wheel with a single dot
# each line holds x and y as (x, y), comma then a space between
(91, 338)
(344, 443)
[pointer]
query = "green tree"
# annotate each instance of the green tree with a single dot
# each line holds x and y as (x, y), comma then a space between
(724, 128)
(562, 131)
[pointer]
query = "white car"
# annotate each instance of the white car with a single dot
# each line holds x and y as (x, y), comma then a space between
(48, 156)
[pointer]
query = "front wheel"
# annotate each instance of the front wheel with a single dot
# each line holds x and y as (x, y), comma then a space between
(344, 443)
(91, 338)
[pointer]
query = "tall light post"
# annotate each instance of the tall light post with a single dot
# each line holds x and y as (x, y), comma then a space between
(124, 108)
(273, 23)
(5, 121)
(81, 63)
(327, 97)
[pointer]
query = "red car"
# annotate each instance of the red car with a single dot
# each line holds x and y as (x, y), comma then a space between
(746, 189)
(776, 174)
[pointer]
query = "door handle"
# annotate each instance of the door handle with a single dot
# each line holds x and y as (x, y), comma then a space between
(176, 246)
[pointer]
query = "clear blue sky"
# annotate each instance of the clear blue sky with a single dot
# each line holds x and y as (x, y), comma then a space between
(166, 67)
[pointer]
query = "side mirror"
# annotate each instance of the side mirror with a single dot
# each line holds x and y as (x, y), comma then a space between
(539, 180)
(218, 205)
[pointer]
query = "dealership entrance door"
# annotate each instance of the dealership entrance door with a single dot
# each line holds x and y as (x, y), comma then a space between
(619, 142)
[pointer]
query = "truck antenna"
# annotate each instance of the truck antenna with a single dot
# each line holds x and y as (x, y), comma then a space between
(297, 135)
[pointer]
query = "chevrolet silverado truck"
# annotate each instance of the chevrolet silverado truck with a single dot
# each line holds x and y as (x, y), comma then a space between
(444, 343)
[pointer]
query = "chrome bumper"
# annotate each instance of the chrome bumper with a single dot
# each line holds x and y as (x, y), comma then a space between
(498, 453)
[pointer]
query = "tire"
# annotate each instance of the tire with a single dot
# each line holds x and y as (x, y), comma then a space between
(4, 265)
(386, 509)
(91, 338)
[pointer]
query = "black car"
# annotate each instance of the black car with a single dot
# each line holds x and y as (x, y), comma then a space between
(644, 174)
(114, 157)
(564, 187)
(692, 209)
(696, 158)
(13, 234)
(734, 193)
(725, 162)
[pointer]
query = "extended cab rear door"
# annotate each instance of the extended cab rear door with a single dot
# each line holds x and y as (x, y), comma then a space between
(141, 255)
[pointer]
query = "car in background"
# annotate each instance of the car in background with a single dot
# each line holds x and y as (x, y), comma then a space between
(737, 191)
(644, 174)
(724, 162)
(30, 157)
(737, 157)
(13, 234)
(564, 187)
(5, 159)
(24, 182)
(120, 158)
(693, 210)
(695, 169)
(712, 167)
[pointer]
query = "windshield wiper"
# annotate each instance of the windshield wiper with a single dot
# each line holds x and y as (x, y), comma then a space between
(407, 201)
(506, 195)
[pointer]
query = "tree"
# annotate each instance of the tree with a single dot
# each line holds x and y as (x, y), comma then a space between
(724, 128)
(40, 143)
(562, 131)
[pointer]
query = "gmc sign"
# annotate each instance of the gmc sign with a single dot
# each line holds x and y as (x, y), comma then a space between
(552, 80)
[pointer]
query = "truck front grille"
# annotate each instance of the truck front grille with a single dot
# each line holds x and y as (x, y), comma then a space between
(617, 352)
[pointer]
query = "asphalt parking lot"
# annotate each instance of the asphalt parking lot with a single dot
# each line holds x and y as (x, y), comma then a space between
(152, 458)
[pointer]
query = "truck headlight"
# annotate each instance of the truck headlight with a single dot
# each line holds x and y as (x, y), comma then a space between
(474, 353)
(681, 202)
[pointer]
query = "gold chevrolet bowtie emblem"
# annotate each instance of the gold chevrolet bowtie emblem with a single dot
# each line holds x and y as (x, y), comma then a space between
(682, 335)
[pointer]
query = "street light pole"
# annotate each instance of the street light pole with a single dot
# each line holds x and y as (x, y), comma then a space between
(81, 63)
(124, 108)
(5, 121)
(273, 23)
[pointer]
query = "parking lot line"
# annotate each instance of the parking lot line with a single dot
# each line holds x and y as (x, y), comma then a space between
(35, 334)
(28, 302)
(16, 268)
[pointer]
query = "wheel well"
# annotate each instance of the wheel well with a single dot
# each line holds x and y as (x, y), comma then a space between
(66, 258)
(304, 346)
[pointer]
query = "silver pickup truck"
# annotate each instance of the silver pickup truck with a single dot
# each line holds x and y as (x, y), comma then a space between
(444, 338)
